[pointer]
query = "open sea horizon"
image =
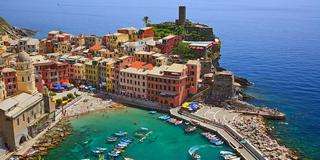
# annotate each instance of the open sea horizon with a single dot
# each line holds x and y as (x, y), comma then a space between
(275, 44)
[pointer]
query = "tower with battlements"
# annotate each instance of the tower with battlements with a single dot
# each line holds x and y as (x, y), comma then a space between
(182, 16)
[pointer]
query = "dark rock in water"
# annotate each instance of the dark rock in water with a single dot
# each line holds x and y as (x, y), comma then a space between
(219, 69)
(242, 81)
(245, 96)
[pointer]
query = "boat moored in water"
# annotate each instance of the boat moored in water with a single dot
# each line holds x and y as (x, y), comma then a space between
(196, 156)
(152, 112)
(190, 129)
(112, 139)
(216, 142)
(121, 133)
(164, 117)
(113, 153)
(178, 122)
(227, 155)
(126, 140)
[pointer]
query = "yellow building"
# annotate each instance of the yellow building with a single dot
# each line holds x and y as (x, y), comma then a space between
(115, 39)
(92, 71)
(109, 75)
(3, 38)
(79, 71)
(144, 56)
(63, 47)
(25, 74)
(3, 48)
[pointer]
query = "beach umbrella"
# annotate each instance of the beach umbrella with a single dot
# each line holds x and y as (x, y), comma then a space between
(185, 105)
(194, 106)
(56, 84)
(64, 85)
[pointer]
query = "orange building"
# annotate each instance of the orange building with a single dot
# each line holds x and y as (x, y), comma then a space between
(168, 84)
(145, 32)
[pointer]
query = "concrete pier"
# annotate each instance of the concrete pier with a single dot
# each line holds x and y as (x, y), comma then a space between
(234, 139)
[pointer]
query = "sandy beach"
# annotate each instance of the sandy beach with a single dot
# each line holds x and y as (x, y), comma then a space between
(89, 103)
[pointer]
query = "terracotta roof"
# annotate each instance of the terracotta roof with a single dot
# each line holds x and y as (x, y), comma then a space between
(95, 47)
(137, 64)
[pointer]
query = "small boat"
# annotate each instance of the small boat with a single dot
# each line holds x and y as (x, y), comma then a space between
(210, 136)
(195, 156)
(190, 129)
(144, 129)
(96, 152)
(112, 139)
(235, 158)
(137, 134)
(101, 149)
(152, 112)
(122, 145)
(178, 122)
(216, 142)
(113, 154)
(231, 157)
(126, 140)
(120, 133)
(164, 117)
(172, 120)
(226, 153)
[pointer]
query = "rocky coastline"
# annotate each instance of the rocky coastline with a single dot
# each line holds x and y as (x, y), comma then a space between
(52, 138)
(63, 128)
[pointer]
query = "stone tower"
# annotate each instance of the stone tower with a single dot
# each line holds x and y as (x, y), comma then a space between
(25, 74)
(182, 15)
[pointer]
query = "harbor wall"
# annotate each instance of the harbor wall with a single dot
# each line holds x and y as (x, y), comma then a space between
(229, 130)
(247, 144)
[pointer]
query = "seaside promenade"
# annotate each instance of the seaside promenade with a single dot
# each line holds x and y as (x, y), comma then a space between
(236, 144)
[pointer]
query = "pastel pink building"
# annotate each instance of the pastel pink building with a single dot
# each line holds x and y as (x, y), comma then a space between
(10, 80)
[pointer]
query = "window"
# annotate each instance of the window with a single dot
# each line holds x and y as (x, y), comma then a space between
(18, 122)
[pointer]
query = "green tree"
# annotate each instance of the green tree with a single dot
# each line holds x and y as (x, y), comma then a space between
(184, 51)
(52, 94)
(146, 20)
(58, 102)
(70, 96)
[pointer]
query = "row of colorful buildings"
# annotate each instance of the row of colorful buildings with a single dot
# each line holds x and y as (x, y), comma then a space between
(109, 62)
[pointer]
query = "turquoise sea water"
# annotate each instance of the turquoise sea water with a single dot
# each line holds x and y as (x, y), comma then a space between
(165, 142)
(273, 43)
